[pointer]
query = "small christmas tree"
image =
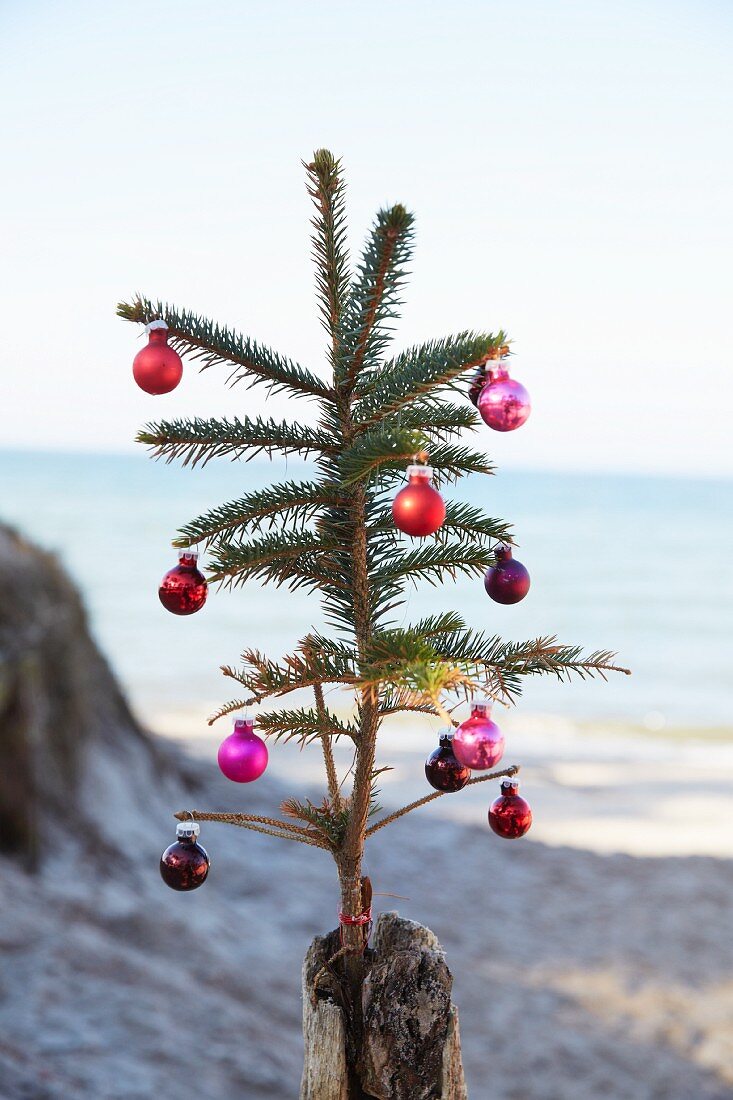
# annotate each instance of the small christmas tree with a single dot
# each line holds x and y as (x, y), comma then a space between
(335, 533)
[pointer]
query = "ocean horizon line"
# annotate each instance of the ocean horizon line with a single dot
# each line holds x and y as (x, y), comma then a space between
(137, 453)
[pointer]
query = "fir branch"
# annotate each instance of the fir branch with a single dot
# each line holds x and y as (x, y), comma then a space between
(501, 665)
(326, 188)
(215, 345)
(265, 678)
(301, 560)
(424, 370)
(375, 295)
(291, 503)
(284, 830)
(326, 819)
(304, 724)
(513, 769)
(460, 519)
(199, 441)
(385, 450)
(435, 419)
(428, 562)
(376, 449)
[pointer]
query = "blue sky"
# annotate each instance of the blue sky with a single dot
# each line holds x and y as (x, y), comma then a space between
(570, 165)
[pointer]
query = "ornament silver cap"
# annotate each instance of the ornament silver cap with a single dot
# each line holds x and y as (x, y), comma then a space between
(416, 470)
(152, 325)
(481, 702)
(187, 830)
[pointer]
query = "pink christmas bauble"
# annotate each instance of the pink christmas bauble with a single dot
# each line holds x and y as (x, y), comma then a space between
(478, 742)
(243, 755)
(503, 403)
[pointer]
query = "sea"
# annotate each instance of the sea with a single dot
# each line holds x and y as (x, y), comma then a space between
(636, 564)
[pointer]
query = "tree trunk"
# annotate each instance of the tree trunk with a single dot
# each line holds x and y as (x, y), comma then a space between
(410, 1046)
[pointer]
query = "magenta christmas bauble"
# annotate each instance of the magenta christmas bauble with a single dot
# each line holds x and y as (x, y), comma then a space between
(510, 815)
(503, 402)
(478, 742)
(183, 589)
(185, 864)
(243, 755)
(418, 509)
(508, 581)
(157, 368)
(442, 770)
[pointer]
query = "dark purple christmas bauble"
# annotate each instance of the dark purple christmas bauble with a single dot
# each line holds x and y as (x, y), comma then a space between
(183, 589)
(478, 382)
(507, 581)
(510, 815)
(442, 770)
(184, 865)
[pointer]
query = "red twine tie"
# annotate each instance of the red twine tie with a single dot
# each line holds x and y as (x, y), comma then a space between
(364, 920)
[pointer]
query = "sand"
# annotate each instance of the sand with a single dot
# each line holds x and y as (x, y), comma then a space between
(579, 974)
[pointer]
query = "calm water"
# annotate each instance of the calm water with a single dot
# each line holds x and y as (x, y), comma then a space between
(637, 564)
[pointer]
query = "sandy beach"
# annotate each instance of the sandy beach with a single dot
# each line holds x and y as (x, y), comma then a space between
(578, 974)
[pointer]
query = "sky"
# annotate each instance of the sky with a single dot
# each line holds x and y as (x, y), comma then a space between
(570, 166)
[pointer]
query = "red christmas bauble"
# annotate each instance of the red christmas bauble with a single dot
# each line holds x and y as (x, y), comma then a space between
(183, 589)
(504, 404)
(442, 770)
(157, 368)
(508, 581)
(510, 815)
(185, 864)
(418, 509)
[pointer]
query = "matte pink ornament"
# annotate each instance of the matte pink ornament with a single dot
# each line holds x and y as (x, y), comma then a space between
(243, 755)
(503, 403)
(478, 742)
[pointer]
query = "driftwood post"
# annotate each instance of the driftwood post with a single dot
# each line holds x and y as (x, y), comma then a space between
(411, 1047)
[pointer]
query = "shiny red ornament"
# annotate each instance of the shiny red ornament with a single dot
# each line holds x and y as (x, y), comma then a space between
(185, 864)
(418, 509)
(508, 581)
(478, 742)
(157, 368)
(183, 589)
(510, 815)
(442, 770)
(504, 404)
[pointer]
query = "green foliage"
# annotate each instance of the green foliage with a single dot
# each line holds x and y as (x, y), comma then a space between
(216, 345)
(196, 442)
(333, 532)
(426, 369)
(326, 188)
(364, 330)
(290, 505)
